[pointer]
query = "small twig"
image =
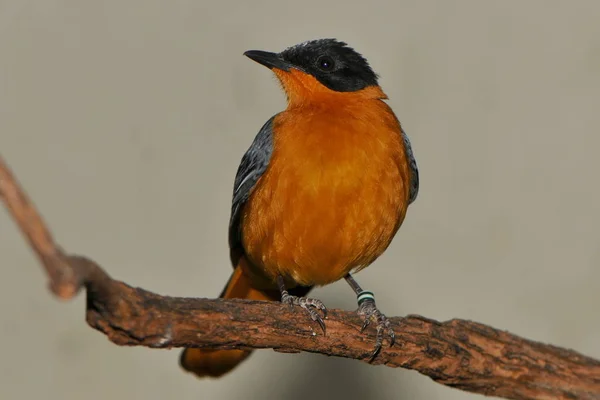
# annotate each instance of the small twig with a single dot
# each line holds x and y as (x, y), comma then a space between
(458, 353)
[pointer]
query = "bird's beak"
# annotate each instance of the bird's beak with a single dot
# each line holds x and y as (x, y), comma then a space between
(269, 60)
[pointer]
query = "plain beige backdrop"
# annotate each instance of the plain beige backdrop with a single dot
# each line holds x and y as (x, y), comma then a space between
(126, 120)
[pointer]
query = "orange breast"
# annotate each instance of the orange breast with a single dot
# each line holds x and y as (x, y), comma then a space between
(333, 196)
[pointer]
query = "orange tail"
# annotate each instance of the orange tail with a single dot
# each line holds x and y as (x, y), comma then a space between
(214, 363)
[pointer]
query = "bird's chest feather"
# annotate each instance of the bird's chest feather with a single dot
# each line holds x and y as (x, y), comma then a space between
(331, 200)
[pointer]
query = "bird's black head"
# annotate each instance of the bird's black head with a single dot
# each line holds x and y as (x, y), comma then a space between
(333, 63)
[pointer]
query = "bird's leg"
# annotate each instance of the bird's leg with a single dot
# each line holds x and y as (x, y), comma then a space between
(310, 305)
(368, 309)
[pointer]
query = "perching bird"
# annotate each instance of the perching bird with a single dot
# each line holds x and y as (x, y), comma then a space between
(320, 193)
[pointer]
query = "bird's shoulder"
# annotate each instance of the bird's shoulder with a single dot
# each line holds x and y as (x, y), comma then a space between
(253, 165)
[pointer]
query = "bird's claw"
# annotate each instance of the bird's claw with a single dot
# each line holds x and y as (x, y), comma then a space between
(310, 305)
(369, 311)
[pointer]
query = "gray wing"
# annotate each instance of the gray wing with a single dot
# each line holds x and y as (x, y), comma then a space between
(414, 171)
(254, 163)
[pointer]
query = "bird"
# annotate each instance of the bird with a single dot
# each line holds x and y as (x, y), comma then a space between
(319, 194)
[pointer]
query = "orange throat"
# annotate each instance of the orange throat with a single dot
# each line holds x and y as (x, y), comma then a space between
(301, 88)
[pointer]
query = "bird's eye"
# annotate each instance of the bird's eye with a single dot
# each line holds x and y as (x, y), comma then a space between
(325, 63)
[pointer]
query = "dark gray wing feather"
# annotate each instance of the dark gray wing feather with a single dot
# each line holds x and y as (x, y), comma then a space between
(254, 163)
(414, 171)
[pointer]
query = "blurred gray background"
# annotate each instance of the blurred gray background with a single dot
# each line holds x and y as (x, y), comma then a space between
(126, 120)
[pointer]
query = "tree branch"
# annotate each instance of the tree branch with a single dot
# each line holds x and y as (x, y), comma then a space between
(458, 353)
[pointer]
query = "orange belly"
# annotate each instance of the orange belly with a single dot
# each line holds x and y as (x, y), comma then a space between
(332, 198)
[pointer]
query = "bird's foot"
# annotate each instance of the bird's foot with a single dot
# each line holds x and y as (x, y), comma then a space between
(368, 309)
(310, 305)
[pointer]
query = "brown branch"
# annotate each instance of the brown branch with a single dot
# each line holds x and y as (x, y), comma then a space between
(458, 353)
